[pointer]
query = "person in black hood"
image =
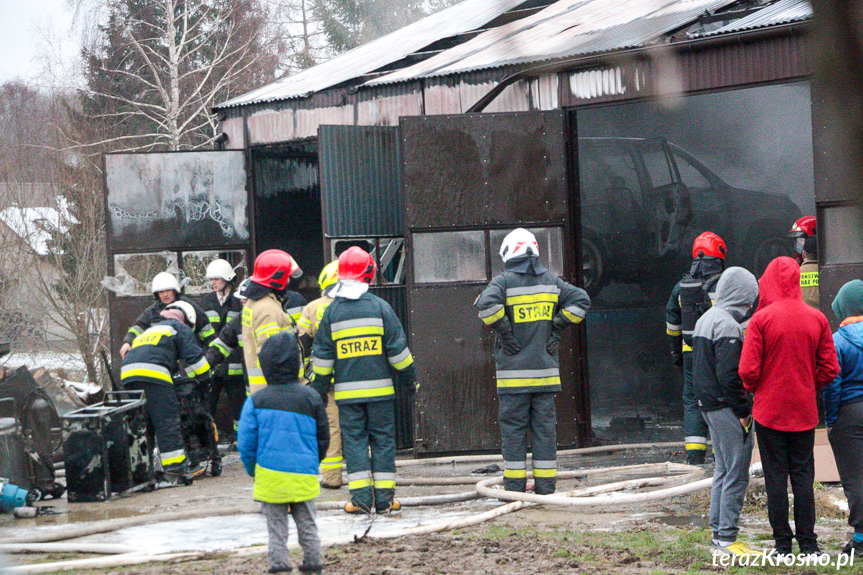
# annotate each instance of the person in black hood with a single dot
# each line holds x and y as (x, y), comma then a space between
(691, 297)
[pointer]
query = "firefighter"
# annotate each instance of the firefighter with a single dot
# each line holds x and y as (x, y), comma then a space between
(691, 297)
(806, 253)
(528, 308)
(166, 290)
(358, 342)
(263, 315)
(331, 466)
(222, 308)
(153, 358)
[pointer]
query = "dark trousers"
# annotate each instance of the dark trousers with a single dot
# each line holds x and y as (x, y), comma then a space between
(518, 414)
(846, 439)
(235, 390)
(372, 480)
(789, 454)
(163, 411)
(694, 426)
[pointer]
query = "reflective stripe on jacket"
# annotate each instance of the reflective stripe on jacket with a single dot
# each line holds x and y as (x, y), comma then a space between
(530, 302)
(358, 342)
(261, 319)
(156, 352)
(203, 331)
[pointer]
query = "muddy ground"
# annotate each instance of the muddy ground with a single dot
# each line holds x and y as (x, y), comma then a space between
(668, 537)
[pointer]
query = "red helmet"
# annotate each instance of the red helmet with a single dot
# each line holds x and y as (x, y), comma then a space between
(803, 228)
(273, 268)
(710, 245)
(356, 264)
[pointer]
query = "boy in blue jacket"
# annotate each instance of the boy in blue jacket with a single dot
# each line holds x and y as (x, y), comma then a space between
(843, 406)
(282, 437)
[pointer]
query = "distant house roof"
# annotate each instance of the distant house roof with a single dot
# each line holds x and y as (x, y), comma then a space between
(561, 29)
(35, 226)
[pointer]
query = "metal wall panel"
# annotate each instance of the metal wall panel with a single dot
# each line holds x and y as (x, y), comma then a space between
(506, 169)
(360, 181)
(176, 200)
(474, 172)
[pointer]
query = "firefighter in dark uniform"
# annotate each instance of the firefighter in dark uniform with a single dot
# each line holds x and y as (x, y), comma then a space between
(149, 365)
(357, 344)
(166, 290)
(528, 308)
(228, 346)
(691, 297)
(806, 251)
(222, 308)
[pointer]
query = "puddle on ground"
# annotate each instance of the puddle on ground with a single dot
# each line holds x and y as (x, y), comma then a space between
(683, 520)
(220, 533)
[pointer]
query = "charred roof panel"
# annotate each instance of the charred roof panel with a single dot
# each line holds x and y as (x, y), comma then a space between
(783, 12)
(463, 17)
(566, 28)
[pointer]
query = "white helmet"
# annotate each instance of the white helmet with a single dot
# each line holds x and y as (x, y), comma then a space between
(164, 281)
(240, 292)
(187, 309)
(517, 243)
(220, 269)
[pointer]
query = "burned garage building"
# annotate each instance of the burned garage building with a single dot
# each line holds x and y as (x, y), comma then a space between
(615, 135)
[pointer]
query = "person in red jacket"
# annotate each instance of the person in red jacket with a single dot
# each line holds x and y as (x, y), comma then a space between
(788, 356)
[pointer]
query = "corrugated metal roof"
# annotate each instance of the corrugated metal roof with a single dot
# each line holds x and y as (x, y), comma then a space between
(783, 12)
(566, 28)
(463, 17)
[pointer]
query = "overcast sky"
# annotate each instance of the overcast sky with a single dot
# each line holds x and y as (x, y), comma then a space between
(24, 26)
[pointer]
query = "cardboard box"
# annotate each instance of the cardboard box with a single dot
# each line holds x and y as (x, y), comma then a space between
(825, 464)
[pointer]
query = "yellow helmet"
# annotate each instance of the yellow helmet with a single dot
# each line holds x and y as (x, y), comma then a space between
(329, 275)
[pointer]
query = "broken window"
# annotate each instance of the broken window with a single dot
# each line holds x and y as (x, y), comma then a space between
(441, 257)
(195, 268)
(133, 273)
(550, 241)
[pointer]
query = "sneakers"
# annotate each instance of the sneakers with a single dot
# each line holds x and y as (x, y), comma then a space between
(280, 569)
(304, 568)
(354, 509)
(739, 548)
(811, 549)
(853, 548)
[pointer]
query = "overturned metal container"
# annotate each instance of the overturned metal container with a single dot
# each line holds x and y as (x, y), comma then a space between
(106, 449)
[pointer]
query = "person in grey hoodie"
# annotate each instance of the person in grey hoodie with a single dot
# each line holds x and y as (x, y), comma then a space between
(716, 345)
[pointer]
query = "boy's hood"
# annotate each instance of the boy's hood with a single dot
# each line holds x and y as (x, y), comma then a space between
(781, 280)
(279, 358)
(736, 291)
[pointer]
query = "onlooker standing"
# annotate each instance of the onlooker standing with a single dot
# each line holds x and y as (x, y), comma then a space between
(282, 438)
(788, 355)
(716, 344)
(843, 406)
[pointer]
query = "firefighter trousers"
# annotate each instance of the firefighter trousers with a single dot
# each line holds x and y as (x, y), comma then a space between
(235, 390)
(518, 414)
(331, 466)
(163, 412)
(372, 480)
(694, 426)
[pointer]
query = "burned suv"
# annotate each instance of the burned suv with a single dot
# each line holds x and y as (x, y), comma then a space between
(643, 202)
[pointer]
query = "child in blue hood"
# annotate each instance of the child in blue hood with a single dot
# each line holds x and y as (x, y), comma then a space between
(843, 405)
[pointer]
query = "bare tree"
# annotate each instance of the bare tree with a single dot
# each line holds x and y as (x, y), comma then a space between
(158, 67)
